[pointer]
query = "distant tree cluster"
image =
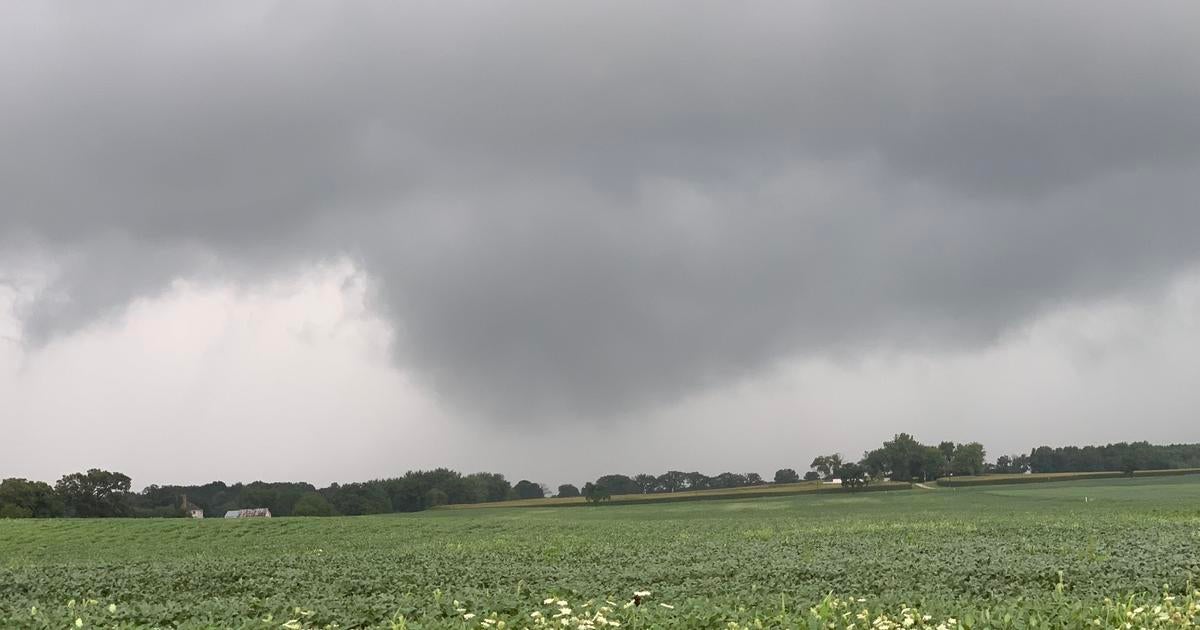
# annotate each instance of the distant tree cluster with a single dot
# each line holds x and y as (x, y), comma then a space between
(422, 489)
(21, 498)
(100, 493)
(902, 458)
(1121, 456)
(670, 481)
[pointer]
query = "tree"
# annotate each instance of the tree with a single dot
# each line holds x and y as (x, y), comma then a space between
(436, 497)
(728, 480)
(1041, 460)
(1129, 464)
(876, 464)
(353, 499)
(933, 464)
(619, 484)
(279, 497)
(312, 504)
(853, 476)
(753, 479)
(595, 493)
(968, 459)
(12, 510)
(646, 483)
(21, 498)
(697, 481)
(96, 493)
(672, 481)
(491, 486)
(825, 465)
(812, 475)
(567, 490)
(526, 489)
(905, 457)
(786, 475)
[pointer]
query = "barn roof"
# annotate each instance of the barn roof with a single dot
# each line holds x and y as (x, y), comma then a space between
(249, 512)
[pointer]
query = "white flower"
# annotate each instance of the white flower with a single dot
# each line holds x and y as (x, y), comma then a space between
(469, 616)
(112, 608)
(78, 622)
(548, 600)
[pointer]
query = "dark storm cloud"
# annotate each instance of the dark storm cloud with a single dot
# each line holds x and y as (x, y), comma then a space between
(579, 208)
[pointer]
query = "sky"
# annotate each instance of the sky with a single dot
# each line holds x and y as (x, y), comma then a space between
(337, 241)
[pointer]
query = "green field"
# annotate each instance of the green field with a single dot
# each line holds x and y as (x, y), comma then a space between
(1002, 480)
(752, 492)
(999, 556)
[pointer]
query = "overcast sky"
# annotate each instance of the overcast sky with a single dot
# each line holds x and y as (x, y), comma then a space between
(336, 241)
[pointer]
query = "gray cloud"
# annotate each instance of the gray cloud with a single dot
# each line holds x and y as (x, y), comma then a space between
(589, 208)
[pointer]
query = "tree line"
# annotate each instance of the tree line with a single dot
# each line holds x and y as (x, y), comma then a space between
(904, 458)
(101, 493)
(900, 458)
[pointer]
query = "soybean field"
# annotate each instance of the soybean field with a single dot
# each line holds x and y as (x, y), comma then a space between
(1075, 554)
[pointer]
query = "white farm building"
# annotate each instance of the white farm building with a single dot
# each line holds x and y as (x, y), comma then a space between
(249, 513)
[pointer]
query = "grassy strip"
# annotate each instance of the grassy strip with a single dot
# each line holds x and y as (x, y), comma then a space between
(999, 480)
(780, 490)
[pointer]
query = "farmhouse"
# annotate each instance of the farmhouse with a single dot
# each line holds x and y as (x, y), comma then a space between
(249, 513)
(191, 509)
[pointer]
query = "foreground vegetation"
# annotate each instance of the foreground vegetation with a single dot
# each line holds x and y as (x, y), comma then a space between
(995, 557)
